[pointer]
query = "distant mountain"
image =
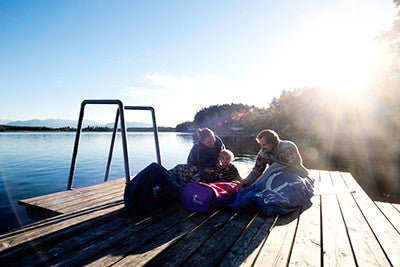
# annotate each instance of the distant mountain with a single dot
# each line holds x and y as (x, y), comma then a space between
(52, 123)
(57, 123)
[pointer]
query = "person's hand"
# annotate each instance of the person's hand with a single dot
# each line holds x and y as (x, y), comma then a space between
(237, 182)
(208, 170)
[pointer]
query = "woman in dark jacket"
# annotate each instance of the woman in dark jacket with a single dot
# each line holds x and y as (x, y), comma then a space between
(205, 152)
(201, 162)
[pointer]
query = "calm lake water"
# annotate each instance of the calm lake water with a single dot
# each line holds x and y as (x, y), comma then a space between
(34, 164)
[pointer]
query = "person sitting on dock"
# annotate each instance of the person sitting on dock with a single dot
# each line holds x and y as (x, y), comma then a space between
(226, 171)
(277, 154)
(280, 188)
(201, 162)
(205, 153)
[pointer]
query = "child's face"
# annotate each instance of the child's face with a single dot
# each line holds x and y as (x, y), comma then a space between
(225, 160)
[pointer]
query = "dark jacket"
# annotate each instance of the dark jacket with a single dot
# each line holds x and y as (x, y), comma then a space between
(228, 174)
(202, 156)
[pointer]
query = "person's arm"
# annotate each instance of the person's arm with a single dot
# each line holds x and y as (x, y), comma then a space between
(219, 140)
(259, 167)
(218, 172)
(236, 176)
(251, 178)
(289, 156)
(193, 158)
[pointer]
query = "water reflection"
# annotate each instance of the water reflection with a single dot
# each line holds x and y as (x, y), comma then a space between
(242, 145)
(186, 137)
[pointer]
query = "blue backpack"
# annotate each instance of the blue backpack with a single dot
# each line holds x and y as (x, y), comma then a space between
(280, 193)
(148, 190)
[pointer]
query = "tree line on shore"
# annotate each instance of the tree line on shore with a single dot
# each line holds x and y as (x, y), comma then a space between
(9, 128)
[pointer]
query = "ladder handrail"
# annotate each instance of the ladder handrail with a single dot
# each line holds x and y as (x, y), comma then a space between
(120, 115)
(111, 147)
(155, 132)
(155, 128)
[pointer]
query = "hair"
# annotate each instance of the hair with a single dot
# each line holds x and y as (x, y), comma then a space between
(270, 136)
(226, 152)
(203, 133)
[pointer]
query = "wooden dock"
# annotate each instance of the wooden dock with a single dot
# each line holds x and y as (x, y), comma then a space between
(341, 226)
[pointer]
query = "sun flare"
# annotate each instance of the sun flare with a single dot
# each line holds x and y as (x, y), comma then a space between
(340, 59)
(338, 52)
(343, 66)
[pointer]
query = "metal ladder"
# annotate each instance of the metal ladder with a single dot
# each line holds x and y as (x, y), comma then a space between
(120, 117)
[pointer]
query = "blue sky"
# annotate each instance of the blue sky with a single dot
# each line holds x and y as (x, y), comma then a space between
(179, 56)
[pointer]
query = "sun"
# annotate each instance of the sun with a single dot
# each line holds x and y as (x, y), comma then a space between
(344, 65)
(340, 57)
(338, 52)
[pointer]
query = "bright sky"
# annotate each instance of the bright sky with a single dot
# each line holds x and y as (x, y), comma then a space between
(179, 56)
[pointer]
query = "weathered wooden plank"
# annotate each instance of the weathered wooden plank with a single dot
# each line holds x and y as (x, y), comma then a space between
(80, 203)
(81, 200)
(248, 245)
(388, 237)
(75, 198)
(39, 213)
(397, 206)
(177, 254)
(307, 244)
(265, 230)
(41, 242)
(105, 244)
(62, 242)
(67, 195)
(53, 250)
(90, 203)
(335, 241)
(276, 249)
(113, 248)
(315, 174)
(391, 213)
(55, 224)
(366, 249)
(208, 255)
(168, 238)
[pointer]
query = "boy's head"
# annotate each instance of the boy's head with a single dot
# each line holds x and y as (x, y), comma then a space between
(226, 157)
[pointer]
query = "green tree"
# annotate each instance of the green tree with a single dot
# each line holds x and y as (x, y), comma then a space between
(186, 126)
